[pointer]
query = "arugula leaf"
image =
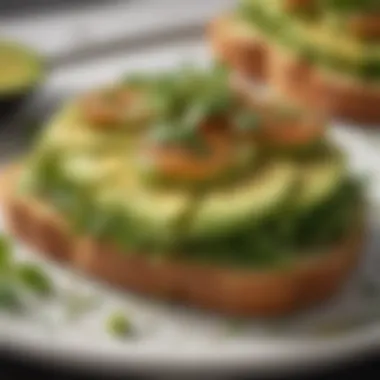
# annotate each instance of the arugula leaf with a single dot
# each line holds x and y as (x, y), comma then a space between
(176, 95)
(182, 134)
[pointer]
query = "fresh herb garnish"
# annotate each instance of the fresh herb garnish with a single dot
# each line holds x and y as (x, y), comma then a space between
(18, 278)
(34, 278)
(118, 325)
(185, 136)
(189, 96)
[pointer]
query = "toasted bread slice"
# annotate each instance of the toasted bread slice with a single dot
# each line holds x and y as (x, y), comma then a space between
(241, 292)
(333, 94)
(247, 52)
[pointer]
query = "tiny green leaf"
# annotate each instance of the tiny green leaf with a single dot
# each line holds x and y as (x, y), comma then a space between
(34, 278)
(118, 325)
(182, 135)
(195, 115)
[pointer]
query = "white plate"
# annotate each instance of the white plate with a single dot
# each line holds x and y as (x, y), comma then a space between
(176, 338)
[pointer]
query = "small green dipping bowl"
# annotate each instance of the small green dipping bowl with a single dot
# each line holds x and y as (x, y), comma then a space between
(21, 72)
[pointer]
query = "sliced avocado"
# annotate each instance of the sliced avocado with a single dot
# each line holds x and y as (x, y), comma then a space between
(224, 211)
(104, 196)
(150, 216)
(144, 219)
(68, 132)
(87, 170)
(20, 68)
(319, 180)
(157, 209)
(317, 41)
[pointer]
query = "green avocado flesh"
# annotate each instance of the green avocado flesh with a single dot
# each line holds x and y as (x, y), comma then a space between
(270, 217)
(323, 41)
(283, 208)
(20, 68)
(276, 209)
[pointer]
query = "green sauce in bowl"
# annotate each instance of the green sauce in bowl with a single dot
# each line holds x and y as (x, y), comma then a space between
(21, 69)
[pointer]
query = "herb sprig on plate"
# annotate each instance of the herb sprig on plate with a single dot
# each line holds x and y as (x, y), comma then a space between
(19, 278)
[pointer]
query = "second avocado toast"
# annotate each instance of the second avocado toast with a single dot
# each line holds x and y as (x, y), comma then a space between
(322, 53)
(174, 186)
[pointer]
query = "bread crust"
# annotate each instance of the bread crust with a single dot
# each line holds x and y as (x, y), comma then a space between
(316, 89)
(294, 78)
(246, 53)
(365, 26)
(229, 291)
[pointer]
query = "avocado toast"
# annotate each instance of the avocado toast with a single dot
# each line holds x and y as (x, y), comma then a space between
(324, 54)
(172, 185)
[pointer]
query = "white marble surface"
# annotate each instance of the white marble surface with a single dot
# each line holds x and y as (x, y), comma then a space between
(57, 32)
